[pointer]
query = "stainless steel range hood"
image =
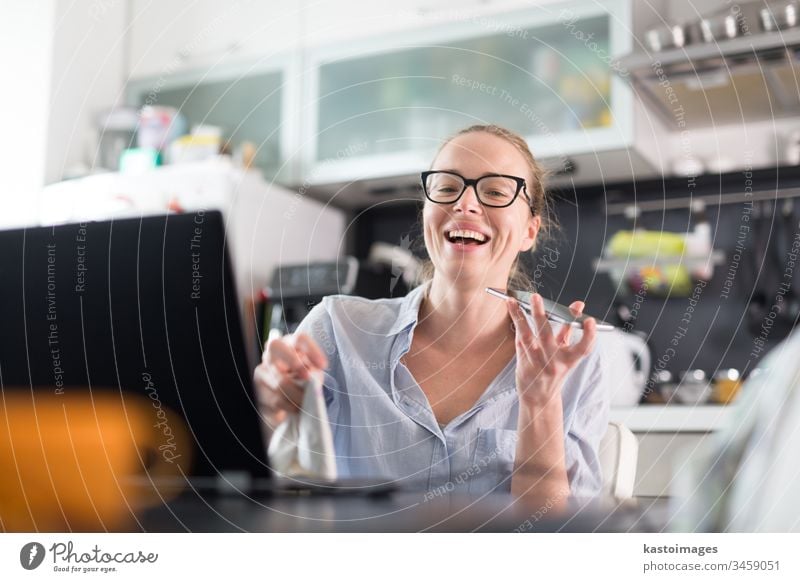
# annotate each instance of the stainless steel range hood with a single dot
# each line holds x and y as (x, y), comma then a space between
(749, 78)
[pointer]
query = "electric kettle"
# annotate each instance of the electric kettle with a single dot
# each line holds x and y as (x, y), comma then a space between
(626, 362)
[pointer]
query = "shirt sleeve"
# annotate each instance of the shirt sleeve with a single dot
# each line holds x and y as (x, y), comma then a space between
(318, 324)
(589, 425)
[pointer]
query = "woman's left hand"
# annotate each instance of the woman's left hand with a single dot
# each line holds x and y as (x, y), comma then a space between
(544, 358)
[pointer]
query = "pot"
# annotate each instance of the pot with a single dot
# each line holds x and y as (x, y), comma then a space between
(668, 36)
(719, 27)
(779, 16)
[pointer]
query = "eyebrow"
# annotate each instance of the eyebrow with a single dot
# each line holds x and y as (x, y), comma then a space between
(460, 174)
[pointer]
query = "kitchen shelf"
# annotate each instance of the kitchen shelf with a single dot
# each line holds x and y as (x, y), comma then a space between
(647, 418)
(755, 77)
(732, 48)
(604, 265)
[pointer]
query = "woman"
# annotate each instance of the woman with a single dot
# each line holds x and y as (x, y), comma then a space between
(448, 389)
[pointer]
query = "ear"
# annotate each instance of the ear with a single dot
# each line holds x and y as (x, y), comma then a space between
(530, 234)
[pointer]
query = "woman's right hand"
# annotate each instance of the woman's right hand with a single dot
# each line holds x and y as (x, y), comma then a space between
(286, 363)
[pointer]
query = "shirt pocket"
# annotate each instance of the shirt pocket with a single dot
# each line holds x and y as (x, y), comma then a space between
(493, 460)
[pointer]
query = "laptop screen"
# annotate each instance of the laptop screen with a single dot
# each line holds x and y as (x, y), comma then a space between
(143, 305)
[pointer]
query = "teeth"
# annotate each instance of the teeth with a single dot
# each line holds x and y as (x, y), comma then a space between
(466, 234)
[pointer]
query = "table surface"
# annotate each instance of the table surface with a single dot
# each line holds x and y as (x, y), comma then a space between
(396, 512)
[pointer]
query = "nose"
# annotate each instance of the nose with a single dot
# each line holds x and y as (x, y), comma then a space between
(469, 202)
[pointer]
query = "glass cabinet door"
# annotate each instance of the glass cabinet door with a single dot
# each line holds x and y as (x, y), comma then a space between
(246, 108)
(549, 82)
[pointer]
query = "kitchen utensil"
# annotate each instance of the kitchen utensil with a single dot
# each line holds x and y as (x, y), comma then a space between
(656, 390)
(159, 125)
(667, 392)
(116, 130)
(723, 25)
(694, 388)
(771, 300)
(792, 148)
(669, 36)
(627, 362)
(779, 16)
(555, 312)
(726, 386)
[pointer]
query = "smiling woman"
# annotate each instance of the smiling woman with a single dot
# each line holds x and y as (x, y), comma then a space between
(495, 191)
(475, 396)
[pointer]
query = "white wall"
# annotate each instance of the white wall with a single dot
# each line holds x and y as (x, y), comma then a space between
(25, 55)
(87, 75)
(62, 61)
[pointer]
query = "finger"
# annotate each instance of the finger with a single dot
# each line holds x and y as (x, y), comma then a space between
(564, 335)
(263, 379)
(524, 333)
(278, 400)
(525, 341)
(577, 307)
(586, 343)
(291, 392)
(305, 344)
(276, 390)
(279, 416)
(285, 357)
(273, 418)
(545, 332)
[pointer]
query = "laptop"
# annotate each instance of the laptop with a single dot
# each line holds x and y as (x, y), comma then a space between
(144, 305)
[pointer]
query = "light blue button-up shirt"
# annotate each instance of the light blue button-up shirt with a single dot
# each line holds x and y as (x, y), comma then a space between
(383, 425)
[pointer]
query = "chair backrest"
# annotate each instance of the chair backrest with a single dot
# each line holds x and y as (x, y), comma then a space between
(619, 451)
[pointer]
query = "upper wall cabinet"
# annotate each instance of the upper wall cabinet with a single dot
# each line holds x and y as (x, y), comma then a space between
(247, 103)
(172, 37)
(371, 93)
(380, 108)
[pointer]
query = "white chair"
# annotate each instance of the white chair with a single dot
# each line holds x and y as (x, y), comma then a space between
(619, 451)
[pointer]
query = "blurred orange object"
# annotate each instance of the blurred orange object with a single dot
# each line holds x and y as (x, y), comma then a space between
(727, 384)
(83, 460)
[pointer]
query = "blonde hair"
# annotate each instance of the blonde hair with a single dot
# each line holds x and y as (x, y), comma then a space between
(535, 186)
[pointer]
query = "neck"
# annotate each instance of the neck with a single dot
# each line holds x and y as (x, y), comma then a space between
(457, 316)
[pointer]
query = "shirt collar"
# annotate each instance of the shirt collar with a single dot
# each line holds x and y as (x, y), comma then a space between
(409, 309)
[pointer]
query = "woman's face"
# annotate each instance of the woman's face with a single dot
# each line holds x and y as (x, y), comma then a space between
(509, 230)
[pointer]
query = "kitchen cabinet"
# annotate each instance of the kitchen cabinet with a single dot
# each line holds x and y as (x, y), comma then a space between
(247, 102)
(326, 23)
(670, 437)
(168, 38)
(376, 107)
(379, 108)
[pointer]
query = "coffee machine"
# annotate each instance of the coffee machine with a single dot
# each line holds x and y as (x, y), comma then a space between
(295, 289)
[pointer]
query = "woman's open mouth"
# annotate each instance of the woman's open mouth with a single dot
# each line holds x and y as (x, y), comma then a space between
(466, 239)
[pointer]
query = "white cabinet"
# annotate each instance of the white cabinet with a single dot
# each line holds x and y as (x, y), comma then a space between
(174, 37)
(378, 107)
(248, 103)
(369, 92)
(670, 437)
(326, 23)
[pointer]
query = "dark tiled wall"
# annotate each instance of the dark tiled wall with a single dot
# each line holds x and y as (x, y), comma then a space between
(720, 333)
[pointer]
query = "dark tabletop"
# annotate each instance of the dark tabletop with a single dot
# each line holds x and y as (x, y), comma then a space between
(394, 512)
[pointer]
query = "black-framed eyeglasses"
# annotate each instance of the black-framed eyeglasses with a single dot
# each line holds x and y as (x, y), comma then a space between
(493, 190)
